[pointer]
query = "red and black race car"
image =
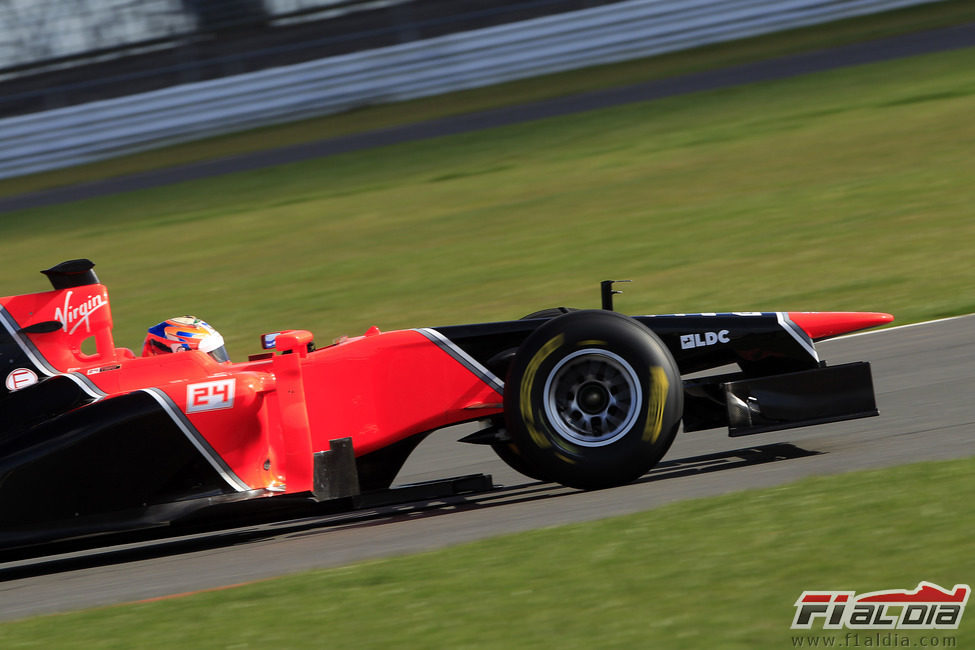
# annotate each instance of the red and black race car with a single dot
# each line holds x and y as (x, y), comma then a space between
(94, 439)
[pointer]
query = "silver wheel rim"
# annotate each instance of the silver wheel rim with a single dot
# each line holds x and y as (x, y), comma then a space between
(592, 397)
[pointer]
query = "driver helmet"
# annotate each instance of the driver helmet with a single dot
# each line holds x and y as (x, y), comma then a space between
(184, 333)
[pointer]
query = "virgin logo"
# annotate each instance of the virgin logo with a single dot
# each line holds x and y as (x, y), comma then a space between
(73, 316)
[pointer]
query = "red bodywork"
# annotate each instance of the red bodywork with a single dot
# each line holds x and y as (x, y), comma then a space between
(822, 325)
(266, 418)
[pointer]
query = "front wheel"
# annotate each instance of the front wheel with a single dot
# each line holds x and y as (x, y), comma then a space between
(508, 450)
(593, 399)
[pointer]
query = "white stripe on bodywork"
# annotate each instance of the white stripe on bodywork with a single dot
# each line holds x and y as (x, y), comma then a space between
(197, 440)
(465, 359)
(25, 345)
(797, 333)
(85, 385)
(42, 365)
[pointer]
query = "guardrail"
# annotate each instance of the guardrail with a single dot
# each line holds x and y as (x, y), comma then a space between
(626, 30)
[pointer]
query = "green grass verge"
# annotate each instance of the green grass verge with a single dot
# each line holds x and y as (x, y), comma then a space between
(928, 16)
(721, 572)
(842, 190)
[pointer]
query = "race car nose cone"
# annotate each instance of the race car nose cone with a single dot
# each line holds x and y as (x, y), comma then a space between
(824, 324)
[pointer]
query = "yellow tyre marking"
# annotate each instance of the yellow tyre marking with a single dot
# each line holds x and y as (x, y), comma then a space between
(582, 344)
(565, 459)
(657, 400)
(567, 446)
(526, 387)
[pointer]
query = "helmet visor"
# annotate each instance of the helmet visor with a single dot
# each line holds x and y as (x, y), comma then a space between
(220, 354)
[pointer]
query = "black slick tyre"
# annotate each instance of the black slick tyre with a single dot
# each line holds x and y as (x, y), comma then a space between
(593, 399)
(508, 451)
(514, 457)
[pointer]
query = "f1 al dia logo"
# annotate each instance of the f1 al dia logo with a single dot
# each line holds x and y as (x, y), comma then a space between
(929, 607)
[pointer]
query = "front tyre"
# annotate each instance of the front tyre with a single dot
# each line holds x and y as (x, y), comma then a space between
(508, 450)
(593, 399)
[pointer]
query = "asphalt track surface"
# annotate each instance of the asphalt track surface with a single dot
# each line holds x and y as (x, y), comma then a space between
(856, 54)
(924, 377)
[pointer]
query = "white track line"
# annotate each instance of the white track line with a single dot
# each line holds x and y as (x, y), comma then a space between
(900, 327)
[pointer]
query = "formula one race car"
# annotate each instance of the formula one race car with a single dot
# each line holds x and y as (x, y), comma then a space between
(103, 441)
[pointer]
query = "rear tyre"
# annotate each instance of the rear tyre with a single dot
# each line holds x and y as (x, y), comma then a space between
(593, 399)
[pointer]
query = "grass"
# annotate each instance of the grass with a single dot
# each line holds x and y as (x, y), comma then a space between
(720, 572)
(849, 189)
(912, 19)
